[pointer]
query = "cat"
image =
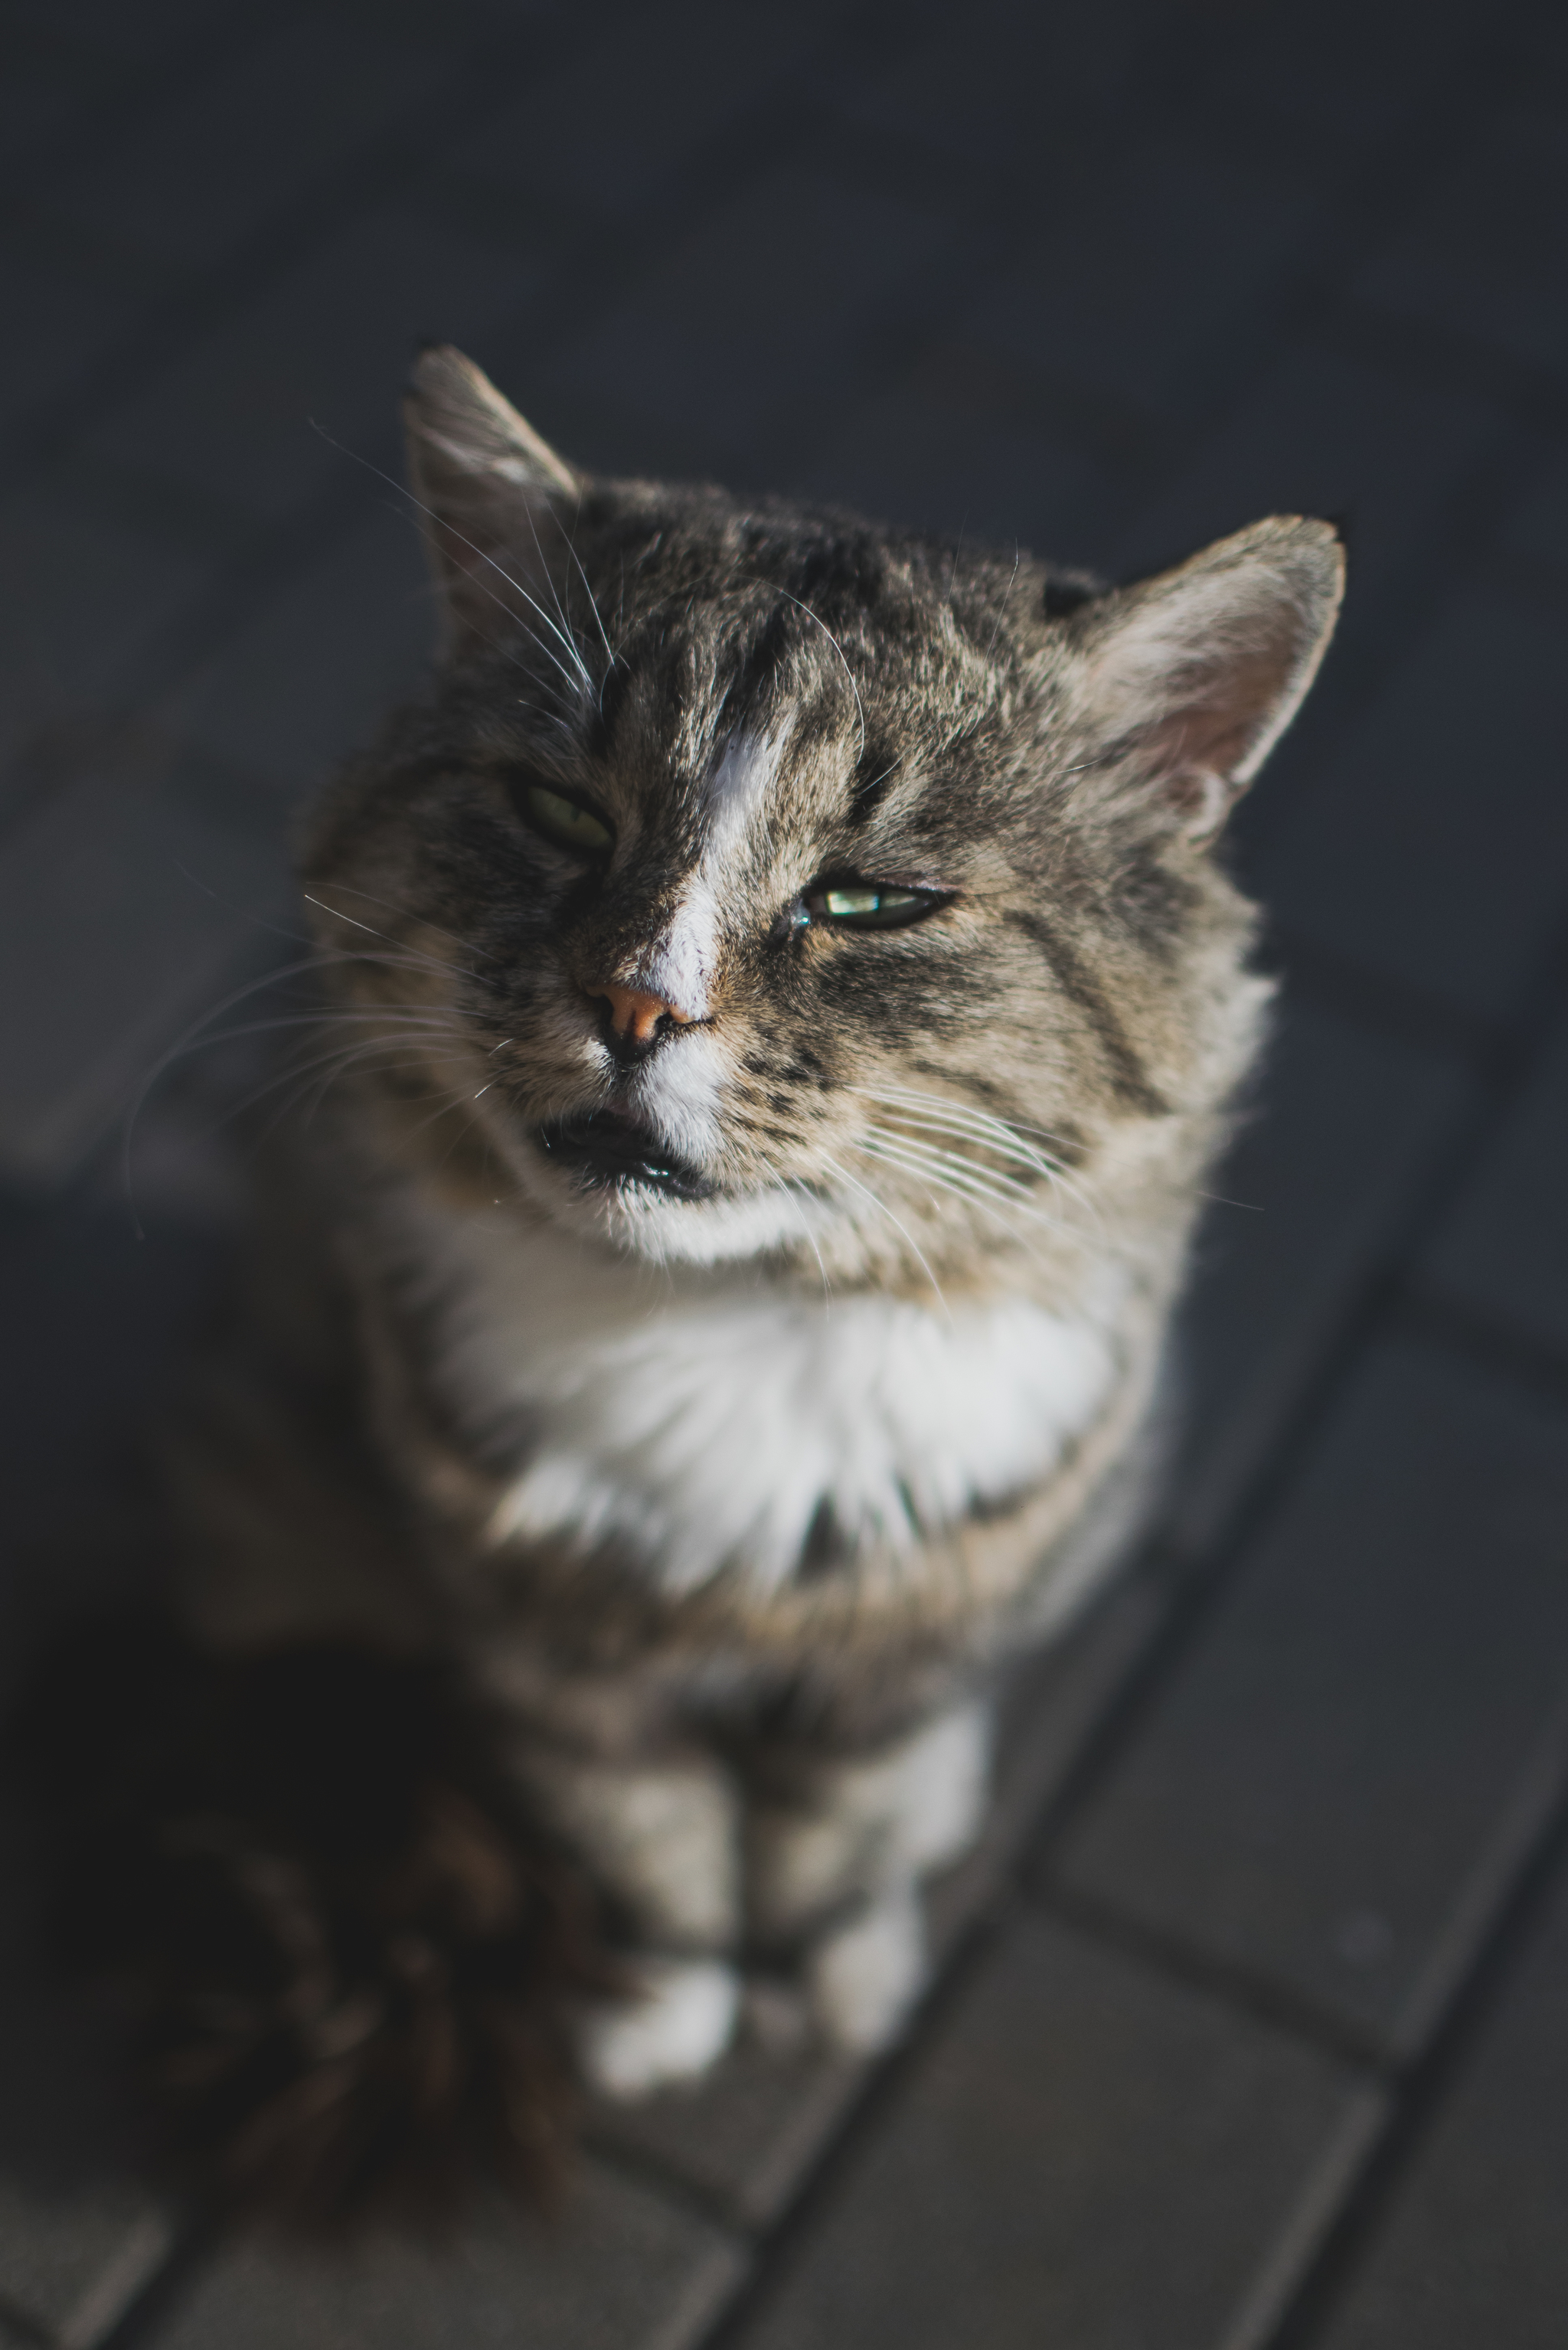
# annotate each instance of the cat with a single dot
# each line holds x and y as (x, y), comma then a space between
(780, 1000)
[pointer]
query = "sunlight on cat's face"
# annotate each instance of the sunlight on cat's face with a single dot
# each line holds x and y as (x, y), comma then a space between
(758, 883)
(694, 921)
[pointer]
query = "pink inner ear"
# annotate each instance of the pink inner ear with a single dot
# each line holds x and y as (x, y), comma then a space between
(486, 555)
(1200, 748)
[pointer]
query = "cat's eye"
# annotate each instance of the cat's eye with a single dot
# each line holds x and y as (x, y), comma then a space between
(566, 822)
(865, 906)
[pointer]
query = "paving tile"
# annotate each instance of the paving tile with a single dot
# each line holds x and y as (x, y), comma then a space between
(234, 418)
(997, 87)
(106, 1289)
(651, 102)
(924, 456)
(101, 29)
(189, 180)
(61, 324)
(321, 663)
(1084, 2153)
(1503, 1251)
(1480, 250)
(1536, 37)
(1307, 1207)
(1320, 432)
(121, 915)
(1430, 850)
(1331, 1787)
(84, 600)
(1472, 2249)
(481, 16)
(746, 2137)
(1158, 275)
(79, 2236)
(725, 380)
(1537, 531)
(622, 2270)
(1343, 68)
(41, 99)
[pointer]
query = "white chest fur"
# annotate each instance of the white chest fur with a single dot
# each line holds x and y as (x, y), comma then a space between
(711, 1422)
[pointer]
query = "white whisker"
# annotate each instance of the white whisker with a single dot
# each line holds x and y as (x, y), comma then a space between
(827, 632)
(999, 1138)
(443, 523)
(432, 963)
(1006, 1211)
(883, 1209)
(391, 906)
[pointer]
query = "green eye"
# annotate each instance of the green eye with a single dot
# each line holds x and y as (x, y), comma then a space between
(564, 822)
(864, 906)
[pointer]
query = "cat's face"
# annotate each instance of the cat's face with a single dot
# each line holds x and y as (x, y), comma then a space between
(761, 884)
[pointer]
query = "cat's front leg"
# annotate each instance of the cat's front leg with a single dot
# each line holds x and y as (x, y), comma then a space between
(662, 1836)
(837, 1847)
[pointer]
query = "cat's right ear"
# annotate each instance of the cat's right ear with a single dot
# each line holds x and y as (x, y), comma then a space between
(490, 494)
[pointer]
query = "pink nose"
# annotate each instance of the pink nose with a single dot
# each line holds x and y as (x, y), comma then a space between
(635, 1015)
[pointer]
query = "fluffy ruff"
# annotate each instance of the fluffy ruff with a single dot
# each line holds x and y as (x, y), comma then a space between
(350, 1955)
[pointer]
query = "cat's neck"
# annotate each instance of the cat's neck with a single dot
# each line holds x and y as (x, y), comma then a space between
(705, 1421)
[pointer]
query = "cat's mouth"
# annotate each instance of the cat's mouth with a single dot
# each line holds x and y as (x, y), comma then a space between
(604, 1146)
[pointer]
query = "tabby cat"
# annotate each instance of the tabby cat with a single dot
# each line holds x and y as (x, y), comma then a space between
(781, 1003)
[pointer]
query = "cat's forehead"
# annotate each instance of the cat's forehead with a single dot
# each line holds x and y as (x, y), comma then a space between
(736, 707)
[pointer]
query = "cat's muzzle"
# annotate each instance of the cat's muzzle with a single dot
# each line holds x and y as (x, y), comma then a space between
(605, 1147)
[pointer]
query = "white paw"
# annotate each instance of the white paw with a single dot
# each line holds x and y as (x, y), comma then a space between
(678, 2021)
(865, 1977)
(941, 1796)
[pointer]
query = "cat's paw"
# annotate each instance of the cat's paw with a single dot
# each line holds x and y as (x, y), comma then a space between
(865, 1975)
(853, 1826)
(677, 2020)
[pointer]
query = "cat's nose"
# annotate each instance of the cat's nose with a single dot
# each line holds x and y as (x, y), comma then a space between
(635, 1019)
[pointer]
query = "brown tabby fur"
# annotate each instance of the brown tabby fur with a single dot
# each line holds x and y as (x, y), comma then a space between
(1013, 1098)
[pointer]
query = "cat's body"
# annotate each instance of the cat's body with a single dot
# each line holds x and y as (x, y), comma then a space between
(785, 1006)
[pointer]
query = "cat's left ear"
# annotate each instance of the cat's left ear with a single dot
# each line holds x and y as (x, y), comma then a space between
(1188, 681)
(489, 492)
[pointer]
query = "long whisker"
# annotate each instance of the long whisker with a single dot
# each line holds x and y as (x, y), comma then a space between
(567, 632)
(787, 1185)
(593, 603)
(984, 1170)
(936, 1109)
(1002, 613)
(339, 1058)
(1003, 1210)
(331, 1017)
(832, 640)
(432, 961)
(1000, 1137)
(400, 490)
(883, 1209)
(953, 1168)
(183, 1044)
(391, 906)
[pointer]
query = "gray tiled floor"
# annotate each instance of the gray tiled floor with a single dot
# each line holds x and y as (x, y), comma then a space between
(1251, 2036)
(1070, 2105)
(1267, 1813)
(622, 2270)
(1503, 1250)
(1474, 2243)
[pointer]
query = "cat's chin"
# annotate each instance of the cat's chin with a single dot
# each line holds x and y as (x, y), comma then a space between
(611, 1180)
(670, 1222)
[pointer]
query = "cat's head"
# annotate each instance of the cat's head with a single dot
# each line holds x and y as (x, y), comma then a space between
(759, 882)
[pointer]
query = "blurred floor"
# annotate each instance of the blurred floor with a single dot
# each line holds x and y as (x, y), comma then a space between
(1254, 2030)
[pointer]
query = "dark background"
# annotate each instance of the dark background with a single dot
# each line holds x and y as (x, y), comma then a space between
(1255, 2027)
